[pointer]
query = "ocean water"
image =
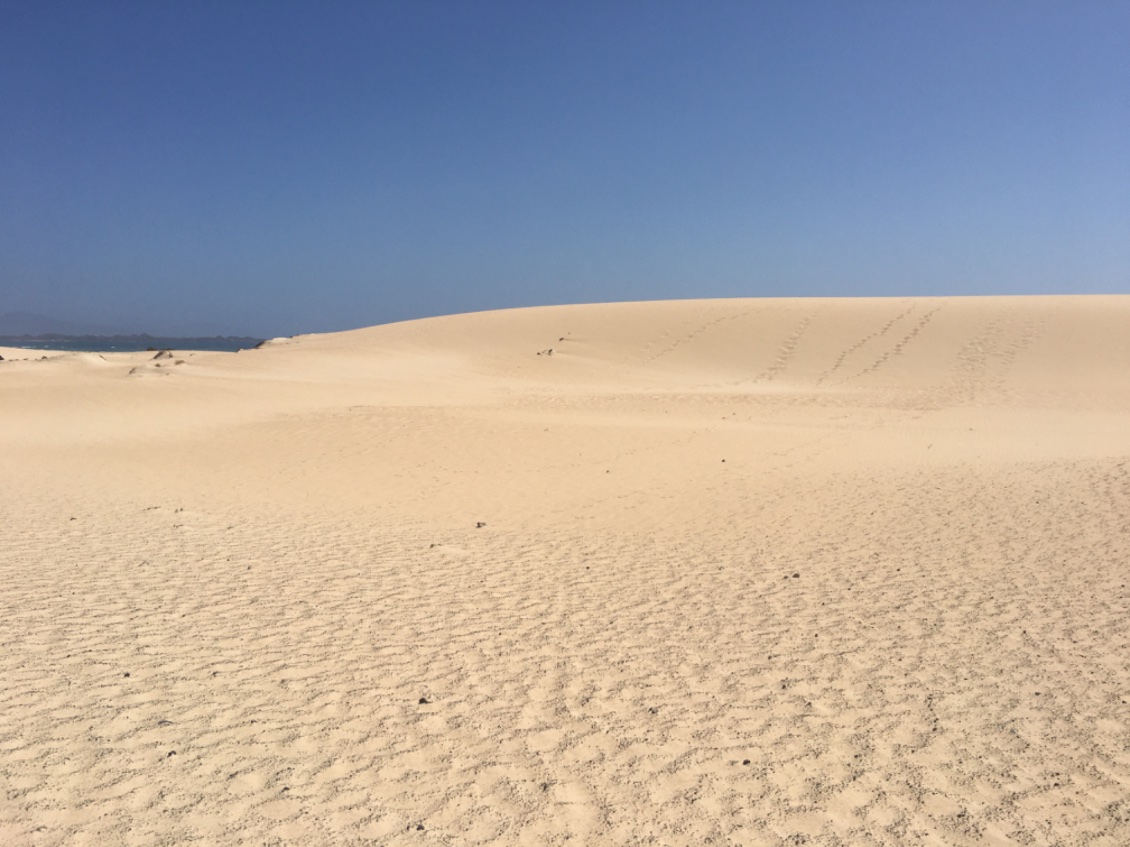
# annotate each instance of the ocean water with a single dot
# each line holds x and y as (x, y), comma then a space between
(107, 345)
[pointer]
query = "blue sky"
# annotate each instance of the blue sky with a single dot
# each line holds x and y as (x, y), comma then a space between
(280, 167)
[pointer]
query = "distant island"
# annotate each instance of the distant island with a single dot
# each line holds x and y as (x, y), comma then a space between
(126, 343)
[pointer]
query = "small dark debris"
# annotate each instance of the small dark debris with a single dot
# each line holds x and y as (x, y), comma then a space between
(424, 701)
(653, 710)
(215, 673)
(796, 576)
(479, 524)
(171, 754)
(164, 722)
(285, 789)
(545, 786)
(74, 519)
(745, 761)
(126, 674)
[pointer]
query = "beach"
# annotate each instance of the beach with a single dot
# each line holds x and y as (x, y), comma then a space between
(826, 571)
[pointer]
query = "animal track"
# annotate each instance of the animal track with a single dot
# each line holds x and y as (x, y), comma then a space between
(883, 330)
(691, 336)
(983, 362)
(787, 351)
(899, 345)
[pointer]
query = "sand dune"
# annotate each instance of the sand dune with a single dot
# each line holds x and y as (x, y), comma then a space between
(755, 572)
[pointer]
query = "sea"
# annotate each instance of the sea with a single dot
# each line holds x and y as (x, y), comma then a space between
(95, 344)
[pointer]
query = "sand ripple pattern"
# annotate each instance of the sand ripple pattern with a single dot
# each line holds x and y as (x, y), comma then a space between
(266, 681)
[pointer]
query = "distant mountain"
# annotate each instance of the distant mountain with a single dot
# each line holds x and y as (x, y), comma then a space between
(29, 323)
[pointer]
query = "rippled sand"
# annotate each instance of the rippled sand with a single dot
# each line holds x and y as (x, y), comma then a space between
(828, 572)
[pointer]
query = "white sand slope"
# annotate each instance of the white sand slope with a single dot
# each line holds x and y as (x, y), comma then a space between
(827, 572)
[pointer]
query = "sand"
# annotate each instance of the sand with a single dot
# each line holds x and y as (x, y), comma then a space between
(759, 572)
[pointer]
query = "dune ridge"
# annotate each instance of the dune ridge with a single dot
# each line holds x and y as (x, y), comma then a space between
(823, 571)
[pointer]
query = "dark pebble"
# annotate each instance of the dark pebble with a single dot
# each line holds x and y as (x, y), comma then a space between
(424, 701)
(796, 576)
(126, 674)
(171, 754)
(745, 761)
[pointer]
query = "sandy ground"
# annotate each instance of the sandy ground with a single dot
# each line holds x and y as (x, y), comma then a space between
(765, 572)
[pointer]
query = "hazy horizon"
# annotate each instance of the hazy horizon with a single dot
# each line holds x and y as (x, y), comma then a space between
(265, 170)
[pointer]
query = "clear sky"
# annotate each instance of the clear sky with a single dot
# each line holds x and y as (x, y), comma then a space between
(278, 167)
